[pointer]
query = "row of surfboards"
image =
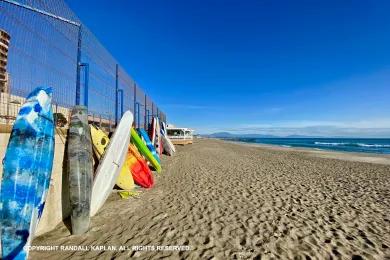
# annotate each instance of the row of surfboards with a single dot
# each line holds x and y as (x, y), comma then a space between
(124, 159)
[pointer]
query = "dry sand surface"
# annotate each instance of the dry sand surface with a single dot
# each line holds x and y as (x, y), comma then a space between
(229, 201)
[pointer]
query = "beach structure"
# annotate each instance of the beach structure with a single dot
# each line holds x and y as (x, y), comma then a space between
(4, 77)
(4, 43)
(180, 135)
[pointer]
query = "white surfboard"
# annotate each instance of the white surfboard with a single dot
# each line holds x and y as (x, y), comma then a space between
(164, 133)
(154, 131)
(111, 163)
(171, 144)
(166, 146)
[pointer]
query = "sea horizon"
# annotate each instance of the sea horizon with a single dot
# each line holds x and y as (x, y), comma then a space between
(347, 144)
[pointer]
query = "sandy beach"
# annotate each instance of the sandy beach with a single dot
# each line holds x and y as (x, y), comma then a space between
(227, 200)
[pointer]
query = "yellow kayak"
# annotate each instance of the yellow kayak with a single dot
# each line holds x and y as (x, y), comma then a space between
(100, 141)
(125, 179)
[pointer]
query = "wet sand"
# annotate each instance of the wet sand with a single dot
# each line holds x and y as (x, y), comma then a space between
(227, 200)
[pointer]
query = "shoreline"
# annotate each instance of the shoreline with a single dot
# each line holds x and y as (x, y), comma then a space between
(322, 153)
(224, 200)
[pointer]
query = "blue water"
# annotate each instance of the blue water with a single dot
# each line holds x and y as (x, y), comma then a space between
(380, 146)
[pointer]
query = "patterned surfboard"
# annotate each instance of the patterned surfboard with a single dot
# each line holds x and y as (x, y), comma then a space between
(80, 167)
(27, 170)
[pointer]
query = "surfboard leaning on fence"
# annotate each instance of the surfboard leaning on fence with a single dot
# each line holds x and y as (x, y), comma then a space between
(111, 163)
(28, 164)
(80, 166)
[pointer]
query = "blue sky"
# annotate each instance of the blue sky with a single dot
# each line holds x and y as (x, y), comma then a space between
(265, 66)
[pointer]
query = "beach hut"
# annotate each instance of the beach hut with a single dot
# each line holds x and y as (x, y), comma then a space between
(180, 135)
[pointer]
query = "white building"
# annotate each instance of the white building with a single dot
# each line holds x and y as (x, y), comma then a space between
(180, 135)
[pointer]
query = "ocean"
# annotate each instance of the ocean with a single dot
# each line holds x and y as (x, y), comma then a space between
(365, 145)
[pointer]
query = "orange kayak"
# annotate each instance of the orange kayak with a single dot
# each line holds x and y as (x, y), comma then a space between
(139, 168)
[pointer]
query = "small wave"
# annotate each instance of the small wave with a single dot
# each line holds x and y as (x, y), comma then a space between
(354, 144)
(333, 144)
(374, 145)
(284, 145)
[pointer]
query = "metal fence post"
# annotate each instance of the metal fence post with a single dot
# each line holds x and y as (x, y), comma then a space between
(135, 102)
(121, 96)
(78, 67)
(148, 118)
(86, 79)
(8, 102)
(138, 114)
(145, 118)
(116, 92)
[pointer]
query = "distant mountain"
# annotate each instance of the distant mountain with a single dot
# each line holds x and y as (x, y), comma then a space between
(303, 136)
(230, 135)
(221, 135)
(257, 136)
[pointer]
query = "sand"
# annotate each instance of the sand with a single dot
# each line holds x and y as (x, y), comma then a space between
(228, 200)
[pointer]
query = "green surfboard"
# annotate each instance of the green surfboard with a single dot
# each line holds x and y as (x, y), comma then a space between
(144, 150)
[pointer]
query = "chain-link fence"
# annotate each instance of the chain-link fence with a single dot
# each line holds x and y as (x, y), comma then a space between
(49, 46)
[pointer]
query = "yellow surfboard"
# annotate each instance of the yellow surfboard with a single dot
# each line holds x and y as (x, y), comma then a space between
(100, 142)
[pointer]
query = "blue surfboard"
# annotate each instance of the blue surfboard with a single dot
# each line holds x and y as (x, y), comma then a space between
(149, 144)
(27, 170)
